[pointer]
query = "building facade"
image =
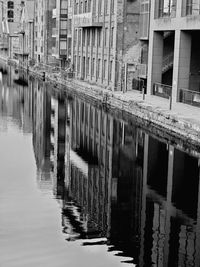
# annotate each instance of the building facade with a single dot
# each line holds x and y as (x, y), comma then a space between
(104, 40)
(59, 31)
(43, 30)
(173, 67)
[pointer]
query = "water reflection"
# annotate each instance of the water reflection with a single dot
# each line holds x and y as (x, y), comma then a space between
(117, 185)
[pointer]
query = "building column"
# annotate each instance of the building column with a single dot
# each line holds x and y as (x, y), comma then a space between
(155, 60)
(182, 56)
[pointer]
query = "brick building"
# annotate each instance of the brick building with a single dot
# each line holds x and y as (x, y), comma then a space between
(106, 42)
(43, 30)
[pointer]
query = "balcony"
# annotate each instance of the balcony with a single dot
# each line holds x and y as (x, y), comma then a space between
(86, 20)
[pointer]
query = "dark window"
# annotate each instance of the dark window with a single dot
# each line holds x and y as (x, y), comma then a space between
(10, 4)
(10, 14)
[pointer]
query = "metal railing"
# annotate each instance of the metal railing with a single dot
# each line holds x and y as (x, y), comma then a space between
(189, 97)
(162, 90)
(56, 71)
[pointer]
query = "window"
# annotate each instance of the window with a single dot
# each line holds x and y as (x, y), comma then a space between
(104, 68)
(99, 37)
(87, 66)
(79, 64)
(93, 37)
(106, 7)
(10, 14)
(75, 37)
(106, 37)
(85, 6)
(83, 37)
(167, 8)
(63, 27)
(75, 63)
(89, 5)
(111, 69)
(112, 36)
(88, 37)
(112, 6)
(100, 6)
(98, 68)
(10, 5)
(93, 62)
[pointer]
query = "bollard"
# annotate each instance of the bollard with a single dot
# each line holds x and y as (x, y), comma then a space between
(43, 75)
(170, 102)
(143, 93)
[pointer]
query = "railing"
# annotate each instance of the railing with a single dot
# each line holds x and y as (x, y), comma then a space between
(162, 90)
(189, 97)
(58, 72)
(167, 62)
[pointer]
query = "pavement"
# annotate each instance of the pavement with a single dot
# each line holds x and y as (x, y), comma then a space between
(180, 111)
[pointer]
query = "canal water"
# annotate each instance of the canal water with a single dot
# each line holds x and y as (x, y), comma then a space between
(81, 185)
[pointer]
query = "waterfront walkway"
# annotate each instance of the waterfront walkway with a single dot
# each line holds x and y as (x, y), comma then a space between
(182, 119)
(180, 111)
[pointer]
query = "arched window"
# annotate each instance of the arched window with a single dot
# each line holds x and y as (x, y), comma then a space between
(10, 14)
(10, 4)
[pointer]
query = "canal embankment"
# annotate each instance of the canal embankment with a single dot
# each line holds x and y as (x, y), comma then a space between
(181, 121)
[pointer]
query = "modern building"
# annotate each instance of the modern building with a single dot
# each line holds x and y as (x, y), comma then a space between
(59, 31)
(173, 64)
(144, 43)
(105, 49)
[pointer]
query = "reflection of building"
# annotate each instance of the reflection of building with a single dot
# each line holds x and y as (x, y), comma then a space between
(16, 99)
(128, 146)
(118, 182)
(58, 120)
(90, 164)
(41, 133)
(169, 234)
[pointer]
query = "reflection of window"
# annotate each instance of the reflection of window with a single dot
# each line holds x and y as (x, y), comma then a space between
(10, 14)
(10, 4)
